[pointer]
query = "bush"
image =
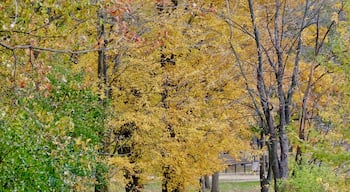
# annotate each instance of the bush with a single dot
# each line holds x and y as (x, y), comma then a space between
(49, 141)
(310, 177)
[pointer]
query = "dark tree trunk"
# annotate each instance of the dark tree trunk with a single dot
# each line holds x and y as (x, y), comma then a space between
(166, 179)
(284, 145)
(264, 185)
(206, 182)
(265, 171)
(134, 184)
(215, 182)
(202, 184)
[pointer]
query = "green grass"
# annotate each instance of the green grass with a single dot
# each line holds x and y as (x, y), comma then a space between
(152, 187)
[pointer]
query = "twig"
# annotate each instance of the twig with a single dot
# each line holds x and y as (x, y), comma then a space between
(45, 49)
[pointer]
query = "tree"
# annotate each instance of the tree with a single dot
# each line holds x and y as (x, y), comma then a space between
(278, 30)
(180, 98)
(166, 87)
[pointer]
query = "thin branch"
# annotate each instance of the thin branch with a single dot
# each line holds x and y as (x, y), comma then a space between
(317, 32)
(240, 64)
(320, 77)
(329, 28)
(30, 34)
(45, 49)
(272, 64)
(14, 68)
(283, 21)
(268, 26)
(35, 118)
(46, 24)
(261, 84)
(237, 25)
(16, 14)
(276, 31)
(297, 58)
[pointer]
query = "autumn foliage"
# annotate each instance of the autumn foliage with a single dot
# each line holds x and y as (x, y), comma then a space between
(101, 94)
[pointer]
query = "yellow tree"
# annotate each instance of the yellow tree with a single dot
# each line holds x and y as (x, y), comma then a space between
(171, 99)
(177, 97)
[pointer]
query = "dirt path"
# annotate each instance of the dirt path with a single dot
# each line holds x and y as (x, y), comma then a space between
(231, 177)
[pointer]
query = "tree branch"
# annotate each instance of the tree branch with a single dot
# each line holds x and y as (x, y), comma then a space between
(230, 23)
(45, 49)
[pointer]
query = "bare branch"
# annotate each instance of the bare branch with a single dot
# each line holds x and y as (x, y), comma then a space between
(250, 92)
(14, 68)
(297, 59)
(45, 49)
(16, 14)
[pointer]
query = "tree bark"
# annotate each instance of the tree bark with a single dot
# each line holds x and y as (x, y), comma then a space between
(215, 182)
(264, 174)
(166, 178)
(283, 138)
(134, 184)
(278, 165)
(202, 184)
(206, 182)
(167, 170)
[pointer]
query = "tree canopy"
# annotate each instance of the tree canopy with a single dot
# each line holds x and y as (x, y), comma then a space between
(97, 94)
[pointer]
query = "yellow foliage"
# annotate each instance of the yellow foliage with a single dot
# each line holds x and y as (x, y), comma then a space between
(179, 96)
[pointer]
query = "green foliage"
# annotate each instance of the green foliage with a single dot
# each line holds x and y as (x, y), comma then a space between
(313, 177)
(50, 141)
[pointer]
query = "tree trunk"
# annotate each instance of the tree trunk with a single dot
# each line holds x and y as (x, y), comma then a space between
(166, 179)
(278, 140)
(284, 145)
(134, 184)
(101, 185)
(264, 174)
(202, 184)
(215, 182)
(264, 185)
(206, 182)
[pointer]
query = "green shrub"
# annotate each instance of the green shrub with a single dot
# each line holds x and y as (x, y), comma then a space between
(49, 142)
(312, 178)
